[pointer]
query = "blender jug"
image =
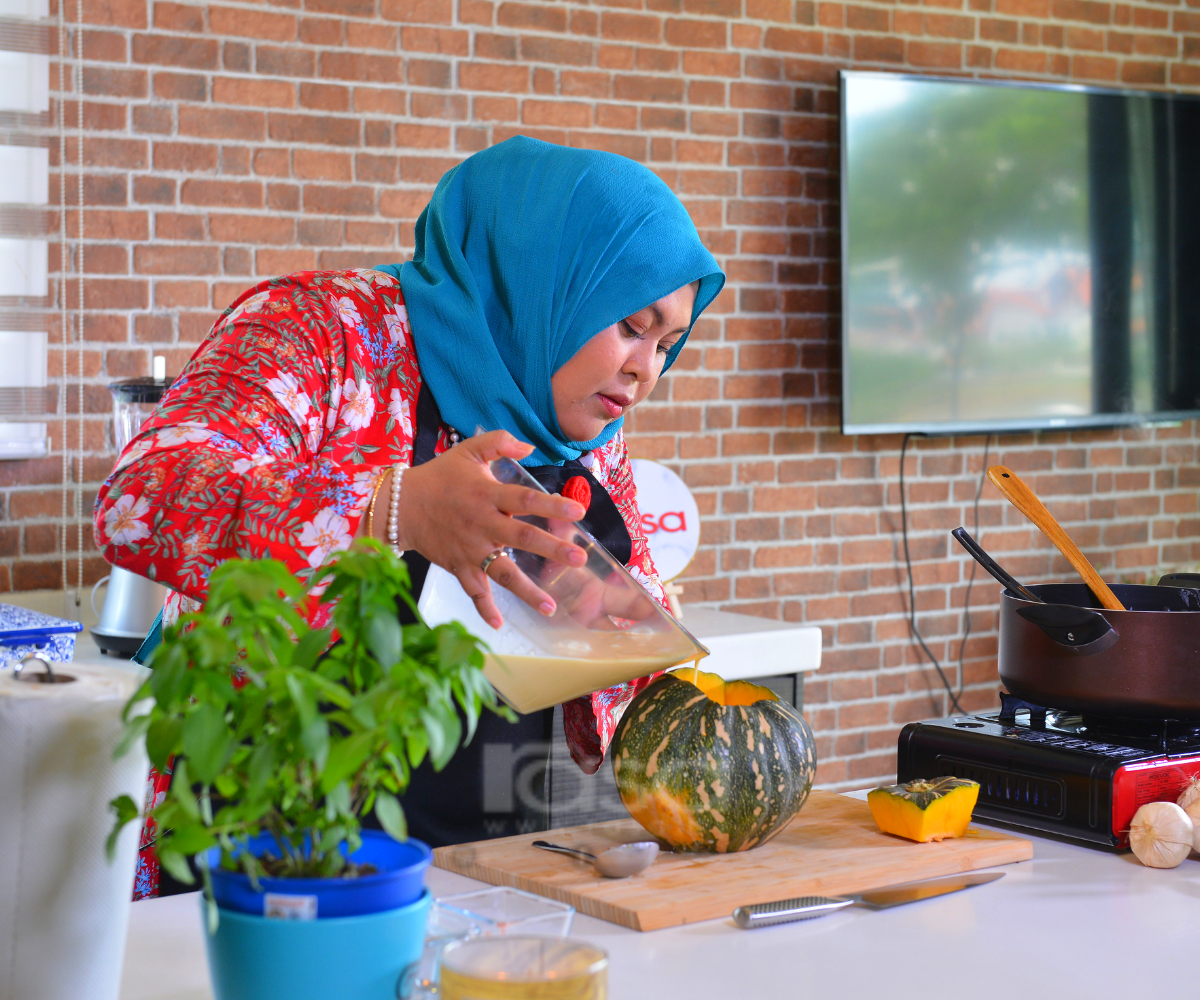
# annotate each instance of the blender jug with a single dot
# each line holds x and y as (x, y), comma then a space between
(132, 602)
(605, 630)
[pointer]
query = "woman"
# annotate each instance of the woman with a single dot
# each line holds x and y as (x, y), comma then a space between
(549, 290)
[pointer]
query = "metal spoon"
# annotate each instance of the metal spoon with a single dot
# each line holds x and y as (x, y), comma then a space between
(617, 862)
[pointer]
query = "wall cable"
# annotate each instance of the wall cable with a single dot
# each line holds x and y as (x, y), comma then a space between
(962, 646)
(912, 602)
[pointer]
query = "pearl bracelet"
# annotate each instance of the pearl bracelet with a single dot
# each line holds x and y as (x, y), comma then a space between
(393, 522)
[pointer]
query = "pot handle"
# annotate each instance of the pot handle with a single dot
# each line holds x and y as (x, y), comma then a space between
(1080, 630)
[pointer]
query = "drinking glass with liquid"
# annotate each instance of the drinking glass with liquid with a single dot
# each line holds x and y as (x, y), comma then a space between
(523, 967)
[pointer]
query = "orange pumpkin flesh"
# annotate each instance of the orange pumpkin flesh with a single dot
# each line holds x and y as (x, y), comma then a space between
(725, 692)
(925, 810)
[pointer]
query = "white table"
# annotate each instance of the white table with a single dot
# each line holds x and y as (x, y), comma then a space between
(1074, 923)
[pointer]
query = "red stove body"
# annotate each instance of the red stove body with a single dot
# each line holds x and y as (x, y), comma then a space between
(1055, 772)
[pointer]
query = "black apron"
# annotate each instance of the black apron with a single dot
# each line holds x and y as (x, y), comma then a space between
(499, 783)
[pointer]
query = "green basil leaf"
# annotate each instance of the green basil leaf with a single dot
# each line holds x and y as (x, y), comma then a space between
(192, 839)
(314, 738)
(181, 790)
(176, 864)
(385, 638)
(162, 739)
(306, 704)
(391, 816)
(206, 741)
(260, 769)
(124, 811)
(345, 758)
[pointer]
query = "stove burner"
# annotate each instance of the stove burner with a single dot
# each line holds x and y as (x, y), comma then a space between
(1166, 731)
(1162, 732)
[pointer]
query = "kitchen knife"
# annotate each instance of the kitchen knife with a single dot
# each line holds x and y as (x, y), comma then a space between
(806, 907)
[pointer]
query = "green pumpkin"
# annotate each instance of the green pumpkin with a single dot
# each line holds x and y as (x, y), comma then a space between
(710, 766)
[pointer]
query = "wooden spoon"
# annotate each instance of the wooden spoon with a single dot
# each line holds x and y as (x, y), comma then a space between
(1026, 501)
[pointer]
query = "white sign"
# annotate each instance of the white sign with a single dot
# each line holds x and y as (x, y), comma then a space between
(670, 517)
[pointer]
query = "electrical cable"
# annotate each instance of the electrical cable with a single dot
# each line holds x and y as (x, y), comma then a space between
(912, 603)
(962, 646)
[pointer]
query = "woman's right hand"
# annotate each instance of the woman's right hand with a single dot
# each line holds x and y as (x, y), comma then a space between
(454, 512)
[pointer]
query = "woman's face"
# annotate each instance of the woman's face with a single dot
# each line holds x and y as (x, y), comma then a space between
(617, 368)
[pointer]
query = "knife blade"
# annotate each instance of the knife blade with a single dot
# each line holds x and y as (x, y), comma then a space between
(807, 907)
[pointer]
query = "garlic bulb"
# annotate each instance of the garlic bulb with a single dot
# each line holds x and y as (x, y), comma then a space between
(1189, 801)
(1190, 794)
(1161, 834)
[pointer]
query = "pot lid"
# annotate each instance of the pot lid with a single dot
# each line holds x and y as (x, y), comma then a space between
(143, 389)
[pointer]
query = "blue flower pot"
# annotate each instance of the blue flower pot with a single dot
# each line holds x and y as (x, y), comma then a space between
(400, 880)
(364, 957)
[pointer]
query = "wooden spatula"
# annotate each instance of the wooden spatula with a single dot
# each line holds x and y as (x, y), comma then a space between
(1026, 501)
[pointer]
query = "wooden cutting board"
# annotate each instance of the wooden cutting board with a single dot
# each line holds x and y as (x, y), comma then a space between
(831, 848)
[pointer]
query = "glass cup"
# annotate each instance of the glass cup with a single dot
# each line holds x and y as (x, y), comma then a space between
(482, 912)
(523, 967)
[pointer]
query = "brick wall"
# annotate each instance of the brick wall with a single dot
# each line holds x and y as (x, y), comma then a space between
(229, 142)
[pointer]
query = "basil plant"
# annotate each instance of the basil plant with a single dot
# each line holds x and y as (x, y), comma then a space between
(271, 725)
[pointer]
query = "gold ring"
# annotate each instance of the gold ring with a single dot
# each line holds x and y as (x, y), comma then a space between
(491, 557)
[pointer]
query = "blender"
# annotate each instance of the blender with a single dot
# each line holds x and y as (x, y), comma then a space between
(132, 602)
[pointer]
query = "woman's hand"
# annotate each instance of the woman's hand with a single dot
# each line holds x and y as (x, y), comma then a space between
(454, 512)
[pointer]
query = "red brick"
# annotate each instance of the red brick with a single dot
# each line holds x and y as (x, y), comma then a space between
(339, 200)
(536, 17)
(284, 61)
(321, 130)
(240, 22)
(253, 92)
(168, 50)
(311, 164)
(631, 27)
(251, 228)
(360, 67)
(165, 259)
(223, 194)
(417, 11)
(563, 114)
(221, 123)
(444, 41)
(696, 34)
(493, 76)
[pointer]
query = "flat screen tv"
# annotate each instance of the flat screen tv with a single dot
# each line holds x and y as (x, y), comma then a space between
(1017, 256)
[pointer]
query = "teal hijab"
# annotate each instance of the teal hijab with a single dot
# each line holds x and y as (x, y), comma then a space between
(525, 252)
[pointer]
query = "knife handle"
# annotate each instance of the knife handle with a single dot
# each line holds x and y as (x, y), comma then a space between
(783, 911)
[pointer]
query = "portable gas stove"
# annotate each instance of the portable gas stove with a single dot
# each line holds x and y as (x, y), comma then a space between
(1063, 773)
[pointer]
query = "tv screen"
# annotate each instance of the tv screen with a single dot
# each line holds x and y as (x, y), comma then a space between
(1017, 256)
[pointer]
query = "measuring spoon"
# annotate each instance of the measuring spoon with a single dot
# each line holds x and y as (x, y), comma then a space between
(617, 862)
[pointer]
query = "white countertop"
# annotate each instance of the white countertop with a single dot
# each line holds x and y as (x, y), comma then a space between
(1073, 923)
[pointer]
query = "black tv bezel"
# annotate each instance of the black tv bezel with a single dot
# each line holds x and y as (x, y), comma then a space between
(1097, 421)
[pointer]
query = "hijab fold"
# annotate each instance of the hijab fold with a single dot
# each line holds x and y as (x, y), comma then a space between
(525, 252)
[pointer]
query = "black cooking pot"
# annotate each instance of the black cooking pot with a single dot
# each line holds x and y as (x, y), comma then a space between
(1146, 667)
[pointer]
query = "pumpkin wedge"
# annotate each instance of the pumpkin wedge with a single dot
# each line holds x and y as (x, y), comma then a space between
(925, 809)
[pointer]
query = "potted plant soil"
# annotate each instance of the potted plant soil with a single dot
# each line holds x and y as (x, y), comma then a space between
(281, 740)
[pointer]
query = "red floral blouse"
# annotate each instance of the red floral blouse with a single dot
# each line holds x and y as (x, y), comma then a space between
(270, 442)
